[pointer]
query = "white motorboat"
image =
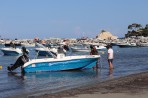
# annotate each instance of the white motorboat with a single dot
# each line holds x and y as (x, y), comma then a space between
(80, 48)
(122, 45)
(143, 44)
(11, 51)
(100, 47)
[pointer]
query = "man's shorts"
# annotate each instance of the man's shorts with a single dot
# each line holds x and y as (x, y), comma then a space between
(110, 60)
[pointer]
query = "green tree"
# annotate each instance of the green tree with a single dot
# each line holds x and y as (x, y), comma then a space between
(130, 27)
(138, 26)
(146, 27)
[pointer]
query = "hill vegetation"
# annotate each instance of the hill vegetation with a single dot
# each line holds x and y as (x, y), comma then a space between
(137, 30)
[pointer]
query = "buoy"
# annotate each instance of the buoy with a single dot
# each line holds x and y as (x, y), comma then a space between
(1, 67)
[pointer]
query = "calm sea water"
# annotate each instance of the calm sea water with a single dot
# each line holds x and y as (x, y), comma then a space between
(127, 61)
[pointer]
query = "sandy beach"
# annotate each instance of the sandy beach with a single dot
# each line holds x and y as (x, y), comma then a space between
(132, 86)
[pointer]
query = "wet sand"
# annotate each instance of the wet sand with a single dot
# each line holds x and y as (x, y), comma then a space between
(132, 86)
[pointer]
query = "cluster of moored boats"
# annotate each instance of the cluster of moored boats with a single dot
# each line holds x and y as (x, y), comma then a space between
(79, 47)
(57, 61)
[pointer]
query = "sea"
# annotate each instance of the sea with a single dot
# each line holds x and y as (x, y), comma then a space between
(127, 61)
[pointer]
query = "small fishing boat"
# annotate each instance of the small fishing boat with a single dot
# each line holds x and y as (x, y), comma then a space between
(60, 63)
(11, 51)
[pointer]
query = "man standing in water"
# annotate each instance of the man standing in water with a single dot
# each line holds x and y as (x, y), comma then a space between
(110, 56)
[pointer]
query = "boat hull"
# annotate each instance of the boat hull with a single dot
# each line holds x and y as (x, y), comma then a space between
(91, 65)
(11, 52)
(59, 64)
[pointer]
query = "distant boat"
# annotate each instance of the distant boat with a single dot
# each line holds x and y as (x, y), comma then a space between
(100, 47)
(114, 43)
(143, 44)
(28, 44)
(86, 47)
(9, 45)
(61, 63)
(80, 48)
(122, 45)
(11, 51)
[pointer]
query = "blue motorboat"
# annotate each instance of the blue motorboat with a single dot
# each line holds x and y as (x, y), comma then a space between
(60, 63)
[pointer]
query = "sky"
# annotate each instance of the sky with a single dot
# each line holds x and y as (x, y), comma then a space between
(25, 19)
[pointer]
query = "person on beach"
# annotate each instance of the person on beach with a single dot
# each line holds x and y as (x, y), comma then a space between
(20, 61)
(110, 56)
(94, 52)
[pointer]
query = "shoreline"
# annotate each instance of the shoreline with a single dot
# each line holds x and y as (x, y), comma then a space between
(127, 86)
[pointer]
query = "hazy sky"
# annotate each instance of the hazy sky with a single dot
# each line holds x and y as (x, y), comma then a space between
(69, 18)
